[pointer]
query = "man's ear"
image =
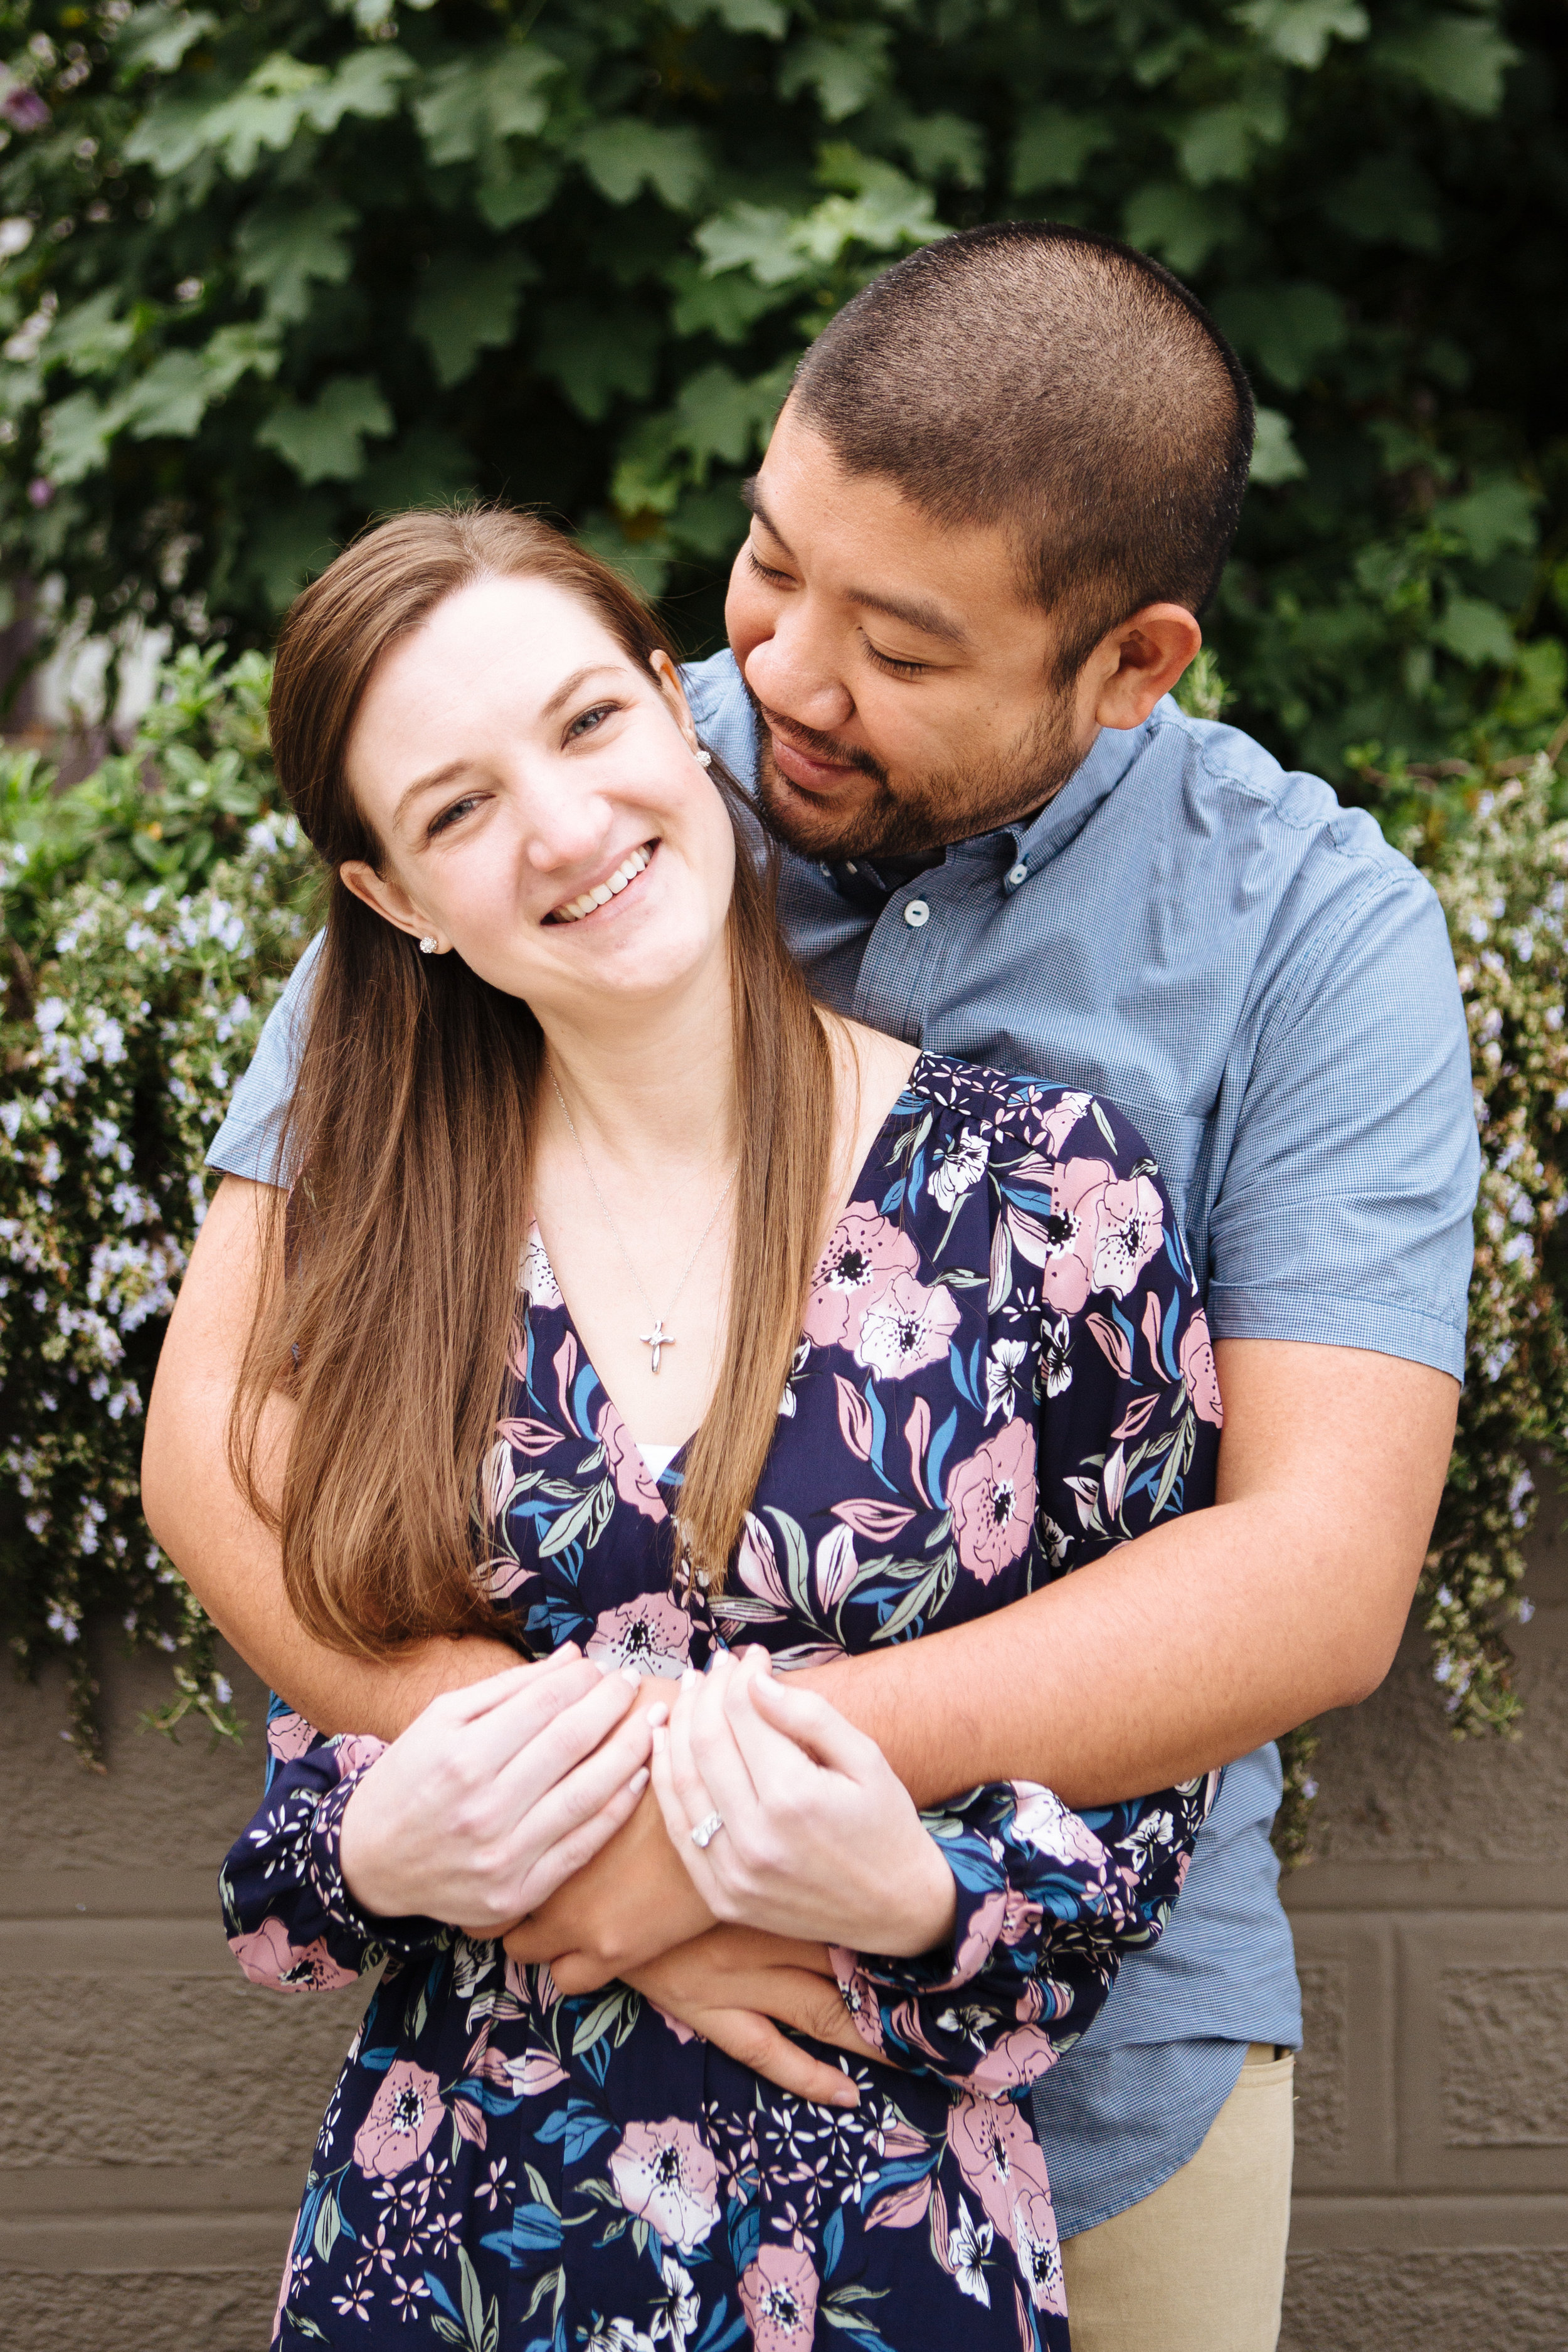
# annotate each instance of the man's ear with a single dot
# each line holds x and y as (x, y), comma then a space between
(388, 899)
(1137, 662)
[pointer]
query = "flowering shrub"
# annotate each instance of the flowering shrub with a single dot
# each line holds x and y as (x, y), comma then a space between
(148, 920)
(131, 1006)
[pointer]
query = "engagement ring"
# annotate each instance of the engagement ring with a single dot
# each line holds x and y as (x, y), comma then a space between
(708, 1829)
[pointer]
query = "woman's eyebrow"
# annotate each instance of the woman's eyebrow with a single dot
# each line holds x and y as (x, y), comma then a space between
(569, 686)
(443, 775)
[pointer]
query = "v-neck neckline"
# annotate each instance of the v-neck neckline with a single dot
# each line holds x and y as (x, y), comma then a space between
(586, 1361)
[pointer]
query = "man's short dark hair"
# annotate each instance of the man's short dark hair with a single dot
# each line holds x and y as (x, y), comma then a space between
(1057, 383)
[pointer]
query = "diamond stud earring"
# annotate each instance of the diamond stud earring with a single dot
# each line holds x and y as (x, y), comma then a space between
(703, 759)
(427, 944)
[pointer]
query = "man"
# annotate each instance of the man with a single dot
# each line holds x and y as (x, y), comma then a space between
(1001, 491)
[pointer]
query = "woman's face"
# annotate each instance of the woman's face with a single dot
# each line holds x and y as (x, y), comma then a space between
(539, 802)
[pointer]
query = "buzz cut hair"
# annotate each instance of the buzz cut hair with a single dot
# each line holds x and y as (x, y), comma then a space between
(1061, 386)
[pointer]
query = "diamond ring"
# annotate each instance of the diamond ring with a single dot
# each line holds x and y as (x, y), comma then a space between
(707, 1828)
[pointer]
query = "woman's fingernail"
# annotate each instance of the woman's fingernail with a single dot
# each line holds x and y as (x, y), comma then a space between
(688, 1676)
(658, 1713)
(630, 1675)
(638, 1781)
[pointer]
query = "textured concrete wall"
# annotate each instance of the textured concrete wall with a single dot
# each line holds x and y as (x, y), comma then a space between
(157, 2113)
(1432, 1940)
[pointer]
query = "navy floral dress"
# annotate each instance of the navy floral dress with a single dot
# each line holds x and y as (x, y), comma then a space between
(1005, 1371)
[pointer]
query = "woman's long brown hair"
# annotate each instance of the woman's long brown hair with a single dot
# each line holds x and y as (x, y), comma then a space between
(410, 1136)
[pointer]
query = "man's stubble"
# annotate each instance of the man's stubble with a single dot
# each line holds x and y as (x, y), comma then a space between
(920, 812)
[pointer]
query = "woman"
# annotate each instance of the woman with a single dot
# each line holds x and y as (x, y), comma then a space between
(915, 1335)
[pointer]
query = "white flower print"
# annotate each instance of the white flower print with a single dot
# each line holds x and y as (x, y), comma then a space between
(1054, 1540)
(907, 1327)
(1056, 1340)
(959, 1170)
(1007, 1360)
(968, 2244)
(535, 1275)
(617, 2336)
(676, 2318)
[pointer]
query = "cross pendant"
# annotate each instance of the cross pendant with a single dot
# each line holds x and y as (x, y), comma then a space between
(656, 1338)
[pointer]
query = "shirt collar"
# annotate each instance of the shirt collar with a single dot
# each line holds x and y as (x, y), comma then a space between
(1092, 781)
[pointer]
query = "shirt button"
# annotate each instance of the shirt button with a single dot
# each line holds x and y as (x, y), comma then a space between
(1017, 873)
(916, 913)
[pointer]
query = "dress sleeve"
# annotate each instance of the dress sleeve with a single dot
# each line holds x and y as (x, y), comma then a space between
(290, 1921)
(1127, 1417)
(1049, 1903)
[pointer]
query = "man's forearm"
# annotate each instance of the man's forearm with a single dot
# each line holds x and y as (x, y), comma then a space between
(1209, 1634)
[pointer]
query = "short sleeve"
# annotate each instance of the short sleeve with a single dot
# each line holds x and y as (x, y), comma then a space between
(246, 1143)
(1343, 1214)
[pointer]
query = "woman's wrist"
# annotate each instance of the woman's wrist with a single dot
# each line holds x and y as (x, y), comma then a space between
(928, 1920)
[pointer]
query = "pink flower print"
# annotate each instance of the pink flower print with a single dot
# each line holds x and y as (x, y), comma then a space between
(1130, 1228)
(862, 1257)
(991, 1498)
(1040, 1817)
(401, 2123)
(355, 1751)
(778, 2296)
(905, 1328)
(1062, 1245)
(757, 1565)
(1020, 2056)
(859, 1996)
(1021, 1918)
(1198, 1371)
(1060, 1121)
(665, 2173)
(268, 1958)
(1040, 2255)
(651, 1632)
(997, 2155)
(634, 1482)
(289, 1735)
(979, 1936)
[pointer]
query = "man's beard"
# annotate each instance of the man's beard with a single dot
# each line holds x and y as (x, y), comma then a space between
(925, 813)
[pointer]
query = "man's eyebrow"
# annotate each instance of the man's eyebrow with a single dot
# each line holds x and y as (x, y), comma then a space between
(914, 612)
(443, 775)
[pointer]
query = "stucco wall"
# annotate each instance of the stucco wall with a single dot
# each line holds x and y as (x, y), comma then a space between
(156, 2113)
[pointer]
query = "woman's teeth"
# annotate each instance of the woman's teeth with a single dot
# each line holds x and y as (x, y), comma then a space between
(575, 908)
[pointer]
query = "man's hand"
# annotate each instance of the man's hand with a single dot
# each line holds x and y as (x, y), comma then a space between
(632, 1902)
(729, 1985)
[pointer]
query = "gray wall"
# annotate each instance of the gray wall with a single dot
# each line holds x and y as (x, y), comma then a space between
(156, 2113)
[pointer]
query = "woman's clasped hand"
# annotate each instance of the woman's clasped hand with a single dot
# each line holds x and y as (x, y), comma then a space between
(818, 1838)
(497, 1794)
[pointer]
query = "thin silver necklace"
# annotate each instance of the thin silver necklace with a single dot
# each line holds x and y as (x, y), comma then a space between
(659, 1337)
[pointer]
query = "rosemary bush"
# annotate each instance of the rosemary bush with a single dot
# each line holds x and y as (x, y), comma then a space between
(148, 918)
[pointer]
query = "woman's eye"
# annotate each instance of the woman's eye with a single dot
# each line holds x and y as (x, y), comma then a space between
(450, 816)
(589, 720)
(766, 571)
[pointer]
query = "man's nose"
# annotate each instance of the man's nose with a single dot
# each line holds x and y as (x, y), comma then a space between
(793, 672)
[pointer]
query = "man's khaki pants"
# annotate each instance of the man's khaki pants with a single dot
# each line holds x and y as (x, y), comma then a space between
(1199, 2266)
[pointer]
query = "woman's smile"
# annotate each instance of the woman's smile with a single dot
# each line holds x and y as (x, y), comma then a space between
(614, 886)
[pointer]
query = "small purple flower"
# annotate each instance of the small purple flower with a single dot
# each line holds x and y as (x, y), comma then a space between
(24, 108)
(39, 492)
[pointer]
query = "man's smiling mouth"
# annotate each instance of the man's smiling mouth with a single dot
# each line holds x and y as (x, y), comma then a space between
(589, 901)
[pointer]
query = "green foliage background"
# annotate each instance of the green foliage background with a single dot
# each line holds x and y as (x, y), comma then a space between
(274, 265)
(269, 267)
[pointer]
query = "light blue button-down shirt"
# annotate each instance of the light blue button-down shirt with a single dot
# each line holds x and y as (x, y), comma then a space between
(1266, 989)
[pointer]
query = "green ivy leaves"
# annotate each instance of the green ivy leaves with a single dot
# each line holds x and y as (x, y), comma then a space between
(264, 271)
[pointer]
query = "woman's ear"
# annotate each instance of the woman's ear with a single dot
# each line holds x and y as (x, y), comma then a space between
(388, 899)
(674, 693)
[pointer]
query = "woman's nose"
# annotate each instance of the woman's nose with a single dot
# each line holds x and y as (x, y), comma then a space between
(563, 830)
